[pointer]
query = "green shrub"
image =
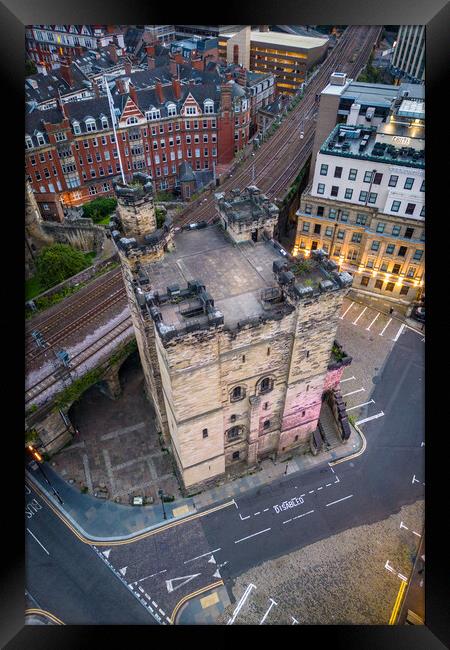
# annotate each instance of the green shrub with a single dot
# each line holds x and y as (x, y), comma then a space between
(160, 217)
(99, 209)
(58, 262)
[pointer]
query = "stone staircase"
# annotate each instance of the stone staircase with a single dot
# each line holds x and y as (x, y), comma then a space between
(329, 428)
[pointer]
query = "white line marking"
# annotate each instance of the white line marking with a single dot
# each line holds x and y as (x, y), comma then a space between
(414, 533)
(38, 541)
(152, 576)
(235, 504)
(381, 333)
(337, 479)
(402, 577)
(295, 621)
(402, 327)
(363, 404)
(287, 521)
(154, 604)
(311, 491)
(328, 485)
(368, 328)
(372, 417)
(257, 513)
(388, 567)
(360, 390)
(265, 509)
(320, 488)
(331, 467)
(348, 379)
(243, 518)
(254, 535)
(354, 322)
(302, 495)
(304, 514)
(403, 526)
(265, 615)
(342, 317)
(343, 499)
(422, 444)
(241, 602)
(106, 553)
(199, 556)
(169, 583)
(415, 480)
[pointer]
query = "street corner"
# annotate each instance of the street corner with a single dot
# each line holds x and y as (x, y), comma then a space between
(203, 607)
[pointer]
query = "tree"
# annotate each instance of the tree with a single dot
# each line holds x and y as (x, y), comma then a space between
(30, 68)
(58, 262)
(100, 208)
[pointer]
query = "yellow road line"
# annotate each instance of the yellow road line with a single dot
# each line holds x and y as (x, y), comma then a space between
(356, 454)
(43, 612)
(192, 595)
(398, 602)
(131, 540)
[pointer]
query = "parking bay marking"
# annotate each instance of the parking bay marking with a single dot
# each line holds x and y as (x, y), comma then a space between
(272, 603)
(389, 321)
(355, 321)
(372, 401)
(38, 541)
(368, 328)
(254, 535)
(373, 417)
(360, 390)
(342, 317)
(343, 499)
(241, 603)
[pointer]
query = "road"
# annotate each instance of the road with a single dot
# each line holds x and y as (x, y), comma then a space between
(65, 577)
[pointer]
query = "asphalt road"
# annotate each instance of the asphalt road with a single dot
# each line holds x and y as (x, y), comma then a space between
(166, 565)
(65, 577)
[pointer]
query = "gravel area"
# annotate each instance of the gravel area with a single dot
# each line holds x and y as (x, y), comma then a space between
(341, 580)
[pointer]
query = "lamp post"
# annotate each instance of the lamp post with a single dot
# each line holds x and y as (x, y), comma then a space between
(161, 494)
(37, 457)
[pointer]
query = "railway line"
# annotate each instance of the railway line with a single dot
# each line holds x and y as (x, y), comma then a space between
(277, 163)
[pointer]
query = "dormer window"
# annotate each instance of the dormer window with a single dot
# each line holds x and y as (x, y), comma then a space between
(40, 138)
(208, 106)
(76, 128)
(132, 120)
(171, 110)
(104, 122)
(191, 110)
(153, 114)
(90, 124)
(28, 142)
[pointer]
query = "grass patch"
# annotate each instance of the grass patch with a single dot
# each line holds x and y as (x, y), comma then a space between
(32, 288)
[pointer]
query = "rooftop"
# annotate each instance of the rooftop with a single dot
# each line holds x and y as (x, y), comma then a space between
(285, 40)
(380, 144)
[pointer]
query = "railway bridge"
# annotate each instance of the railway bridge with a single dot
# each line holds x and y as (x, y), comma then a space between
(93, 326)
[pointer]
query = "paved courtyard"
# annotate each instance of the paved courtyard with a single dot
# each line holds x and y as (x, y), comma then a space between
(117, 454)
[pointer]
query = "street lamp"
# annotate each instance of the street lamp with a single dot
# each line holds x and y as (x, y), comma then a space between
(161, 494)
(37, 457)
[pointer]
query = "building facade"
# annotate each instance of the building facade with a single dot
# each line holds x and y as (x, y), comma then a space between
(236, 340)
(365, 205)
(408, 61)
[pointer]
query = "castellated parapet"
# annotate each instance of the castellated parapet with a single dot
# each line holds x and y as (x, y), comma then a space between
(247, 215)
(236, 344)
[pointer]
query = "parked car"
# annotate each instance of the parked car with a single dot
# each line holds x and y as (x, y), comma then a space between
(418, 313)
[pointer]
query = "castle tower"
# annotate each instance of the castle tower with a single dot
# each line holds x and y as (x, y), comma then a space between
(35, 237)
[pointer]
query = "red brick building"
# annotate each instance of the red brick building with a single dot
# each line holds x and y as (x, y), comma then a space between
(72, 154)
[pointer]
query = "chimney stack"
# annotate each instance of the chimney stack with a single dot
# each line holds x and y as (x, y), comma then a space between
(127, 66)
(133, 93)
(123, 85)
(197, 64)
(173, 66)
(95, 88)
(225, 97)
(66, 73)
(159, 91)
(112, 51)
(176, 85)
(150, 49)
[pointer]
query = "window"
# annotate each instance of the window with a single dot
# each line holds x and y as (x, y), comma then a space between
(91, 125)
(205, 433)
(305, 227)
(378, 284)
(361, 219)
(40, 138)
(402, 251)
(308, 209)
(409, 233)
(317, 229)
(334, 190)
(393, 181)
(60, 136)
(171, 110)
(235, 455)
(328, 231)
(266, 385)
(395, 207)
(104, 123)
(375, 246)
(396, 269)
(409, 182)
(411, 272)
(410, 208)
(344, 216)
(356, 237)
(337, 172)
(266, 424)
(422, 212)
(28, 142)
(364, 281)
(384, 267)
(418, 255)
(340, 234)
(390, 286)
(323, 170)
(377, 178)
(369, 264)
(352, 173)
(396, 230)
(320, 188)
(233, 433)
(237, 394)
(422, 187)
(368, 177)
(320, 210)
(390, 249)
(348, 193)
(380, 227)
(404, 291)
(363, 197)
(372, 197)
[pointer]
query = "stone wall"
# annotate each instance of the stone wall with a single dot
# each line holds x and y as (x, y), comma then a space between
(81, 234)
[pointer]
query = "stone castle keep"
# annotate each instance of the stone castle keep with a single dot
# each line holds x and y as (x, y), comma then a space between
(236, 337)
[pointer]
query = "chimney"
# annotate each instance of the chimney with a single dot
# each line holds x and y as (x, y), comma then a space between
(61, 106)
(127, 66)
(95, 88)
(66, 73)
(150, 49)
(111, 49)
(225, 96)
(122, 85)
(176, 85)
(173, 67)
(133, 93)
(197, 64)
(242, 77)
(159, 91)
(228, 76)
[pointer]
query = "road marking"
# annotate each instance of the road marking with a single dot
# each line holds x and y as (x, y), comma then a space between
(414, 533)
(388, 567)
(402, 577)
(372, 417)
(339, 500)
(328, 485)
(311, 491)
(123, 570)
(354, 322)
(415, 480)
(381, 333)
(422, 444)
(217, 574)
(254, 535)
(38, 541)
(106, 553)
(337, 479)
(331, 467)
(212, 560)
(398, 601)
(28, 491)
(360, 405)
(257, 513)
(242, 518)
(348, 379)
(342, 317)
(368, 328)
(303, 515)
(295, 622)
(272, 603)
(152, 576)
(287, 521)
(403, 526)
(320, 488)
(203, 555)
(402, 327)
(241, 603)
(186, 579)
(265, 509)
(360, 390)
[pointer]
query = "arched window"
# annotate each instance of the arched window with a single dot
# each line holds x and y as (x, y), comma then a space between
(171, 110)
(104, 122)
(90, 124)
(237, 393)
(132, 120)
(265, 385)
(208, 106)
(234, 433)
